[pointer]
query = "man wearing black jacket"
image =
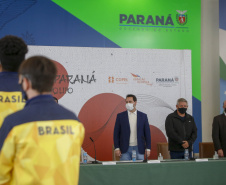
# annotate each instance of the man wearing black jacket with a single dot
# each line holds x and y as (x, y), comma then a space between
(219, 133)
(181, 130)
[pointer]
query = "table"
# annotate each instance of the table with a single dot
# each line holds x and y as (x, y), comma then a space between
(212, 172)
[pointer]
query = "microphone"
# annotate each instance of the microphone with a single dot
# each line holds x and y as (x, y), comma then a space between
(91, 139)
(94, 162)
(145, 160)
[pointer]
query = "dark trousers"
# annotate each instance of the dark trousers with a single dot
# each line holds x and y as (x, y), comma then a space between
(178, 155)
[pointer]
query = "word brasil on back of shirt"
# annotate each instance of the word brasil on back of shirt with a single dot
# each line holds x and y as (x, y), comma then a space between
(11, 99)
(48, 130)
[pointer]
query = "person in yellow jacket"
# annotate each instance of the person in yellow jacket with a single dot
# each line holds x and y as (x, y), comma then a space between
(40, 144)
(12, 54)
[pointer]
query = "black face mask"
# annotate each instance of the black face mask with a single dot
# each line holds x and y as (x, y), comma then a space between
(24, 95)
(182, 110)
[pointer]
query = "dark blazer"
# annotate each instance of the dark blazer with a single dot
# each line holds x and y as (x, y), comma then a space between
(219, 133)
(122, 132)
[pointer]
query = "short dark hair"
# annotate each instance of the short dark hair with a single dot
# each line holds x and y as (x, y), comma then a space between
(12, 52)
(133, 96)
(41, 71)
(181, 100)
(223, 102)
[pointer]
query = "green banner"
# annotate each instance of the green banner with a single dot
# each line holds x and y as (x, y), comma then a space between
(154, 24)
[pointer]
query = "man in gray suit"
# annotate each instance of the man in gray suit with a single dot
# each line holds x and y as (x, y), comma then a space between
(219, 133)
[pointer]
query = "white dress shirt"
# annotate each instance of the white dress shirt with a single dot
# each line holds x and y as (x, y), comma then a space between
(133, 128)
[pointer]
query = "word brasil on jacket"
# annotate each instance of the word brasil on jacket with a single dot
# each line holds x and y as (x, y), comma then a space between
(48, 130)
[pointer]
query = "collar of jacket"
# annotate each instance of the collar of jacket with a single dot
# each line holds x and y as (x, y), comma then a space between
(179, 117)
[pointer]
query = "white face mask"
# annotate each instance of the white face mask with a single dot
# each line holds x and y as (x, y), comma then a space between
(129, 106)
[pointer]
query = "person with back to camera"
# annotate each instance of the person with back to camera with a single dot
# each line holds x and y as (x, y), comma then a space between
(40, 144)
(12, 54)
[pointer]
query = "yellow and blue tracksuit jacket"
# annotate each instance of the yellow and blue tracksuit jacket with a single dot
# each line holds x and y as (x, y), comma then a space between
(10, 95)
(41, 144)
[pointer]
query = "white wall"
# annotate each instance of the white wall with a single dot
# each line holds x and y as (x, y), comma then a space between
(210, 69)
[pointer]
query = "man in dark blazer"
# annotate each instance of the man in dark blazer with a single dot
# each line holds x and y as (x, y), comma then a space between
(219, 133)
(132, 132)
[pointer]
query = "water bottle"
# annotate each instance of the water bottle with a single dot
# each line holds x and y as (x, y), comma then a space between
(160, 157)
(215, 156)
(186, 154)
(134, 155)
(85, 157)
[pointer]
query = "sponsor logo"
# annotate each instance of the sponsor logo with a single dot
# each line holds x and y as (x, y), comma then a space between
(176, 79)
(181, 17)
(117, 80)
(137, 78)
(111, 79)
(167, 82)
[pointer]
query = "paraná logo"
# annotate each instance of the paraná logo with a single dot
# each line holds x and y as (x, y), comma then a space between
(182, 17)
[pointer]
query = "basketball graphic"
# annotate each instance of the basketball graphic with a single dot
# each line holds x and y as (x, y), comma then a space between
(61, 84)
